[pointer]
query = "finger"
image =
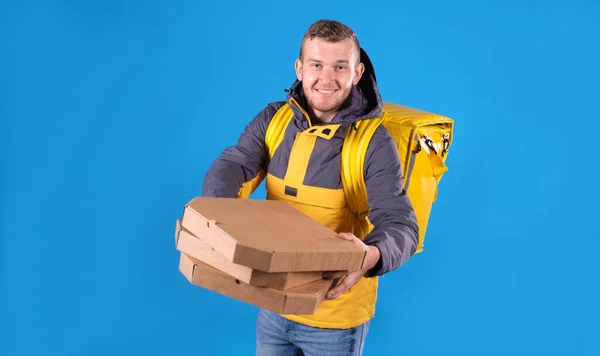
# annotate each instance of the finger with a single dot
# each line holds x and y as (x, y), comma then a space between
(334, 274)
(348, 282)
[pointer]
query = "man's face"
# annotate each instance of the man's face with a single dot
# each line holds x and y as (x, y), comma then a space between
(328, 71)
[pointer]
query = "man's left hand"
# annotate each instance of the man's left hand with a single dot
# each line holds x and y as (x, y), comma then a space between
(352, 277)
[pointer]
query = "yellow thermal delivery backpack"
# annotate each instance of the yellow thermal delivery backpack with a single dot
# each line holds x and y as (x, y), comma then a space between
(422, 139)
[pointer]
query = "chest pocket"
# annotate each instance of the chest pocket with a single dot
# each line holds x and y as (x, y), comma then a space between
(327, 206)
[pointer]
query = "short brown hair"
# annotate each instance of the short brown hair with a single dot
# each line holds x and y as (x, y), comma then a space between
(330, 31)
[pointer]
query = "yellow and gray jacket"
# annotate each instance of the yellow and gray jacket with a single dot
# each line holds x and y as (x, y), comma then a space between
(304, 170)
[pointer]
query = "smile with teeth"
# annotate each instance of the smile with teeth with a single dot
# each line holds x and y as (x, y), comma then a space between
(326, 91)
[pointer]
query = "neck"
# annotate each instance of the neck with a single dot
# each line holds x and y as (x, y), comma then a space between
(322, 117)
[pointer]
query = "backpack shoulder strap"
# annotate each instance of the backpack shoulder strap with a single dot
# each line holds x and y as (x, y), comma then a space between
(276, 128)
(273, 137)
(354, 151)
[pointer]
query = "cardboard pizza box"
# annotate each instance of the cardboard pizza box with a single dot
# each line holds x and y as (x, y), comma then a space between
(300, 300)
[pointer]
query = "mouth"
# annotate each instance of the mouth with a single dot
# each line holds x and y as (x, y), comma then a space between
(326, 91)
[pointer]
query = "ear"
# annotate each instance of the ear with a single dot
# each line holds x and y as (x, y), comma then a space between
(298, 66)
(358, 72)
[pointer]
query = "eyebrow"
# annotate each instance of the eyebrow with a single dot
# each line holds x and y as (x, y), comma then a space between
(319, 61)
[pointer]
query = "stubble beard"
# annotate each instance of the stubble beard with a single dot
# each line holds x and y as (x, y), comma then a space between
(327, 106)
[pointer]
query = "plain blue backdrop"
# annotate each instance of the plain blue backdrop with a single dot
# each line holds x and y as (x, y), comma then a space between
(112, 111)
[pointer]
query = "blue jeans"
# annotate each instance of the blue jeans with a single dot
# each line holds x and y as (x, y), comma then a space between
(277, 336)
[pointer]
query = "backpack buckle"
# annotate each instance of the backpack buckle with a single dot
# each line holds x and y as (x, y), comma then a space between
(446, 139)
(429, 143)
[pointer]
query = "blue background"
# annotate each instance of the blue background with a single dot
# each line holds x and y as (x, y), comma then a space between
(112, 111)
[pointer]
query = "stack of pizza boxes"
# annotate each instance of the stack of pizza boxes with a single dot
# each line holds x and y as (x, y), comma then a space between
(262, 252)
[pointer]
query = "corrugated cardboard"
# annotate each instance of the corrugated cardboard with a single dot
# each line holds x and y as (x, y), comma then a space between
(195, 247)
(269, 236)
(304, 299)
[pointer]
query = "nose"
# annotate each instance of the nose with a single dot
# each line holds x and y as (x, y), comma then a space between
(327, 76)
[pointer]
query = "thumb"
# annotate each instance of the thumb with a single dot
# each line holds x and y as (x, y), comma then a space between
(350, 237)
(347, 236)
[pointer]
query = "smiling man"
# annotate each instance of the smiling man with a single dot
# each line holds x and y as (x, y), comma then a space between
(335, 89)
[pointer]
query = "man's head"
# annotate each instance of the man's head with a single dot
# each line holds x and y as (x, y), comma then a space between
(329, 66)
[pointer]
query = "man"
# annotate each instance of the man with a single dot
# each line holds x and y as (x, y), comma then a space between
(335, 87)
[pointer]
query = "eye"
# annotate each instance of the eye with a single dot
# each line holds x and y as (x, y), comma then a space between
(341, 67)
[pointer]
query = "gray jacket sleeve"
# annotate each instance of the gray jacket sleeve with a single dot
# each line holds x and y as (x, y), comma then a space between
(395, 230)
(242, 162)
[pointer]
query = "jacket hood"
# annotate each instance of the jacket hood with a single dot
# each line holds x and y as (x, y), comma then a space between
(363, 102)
